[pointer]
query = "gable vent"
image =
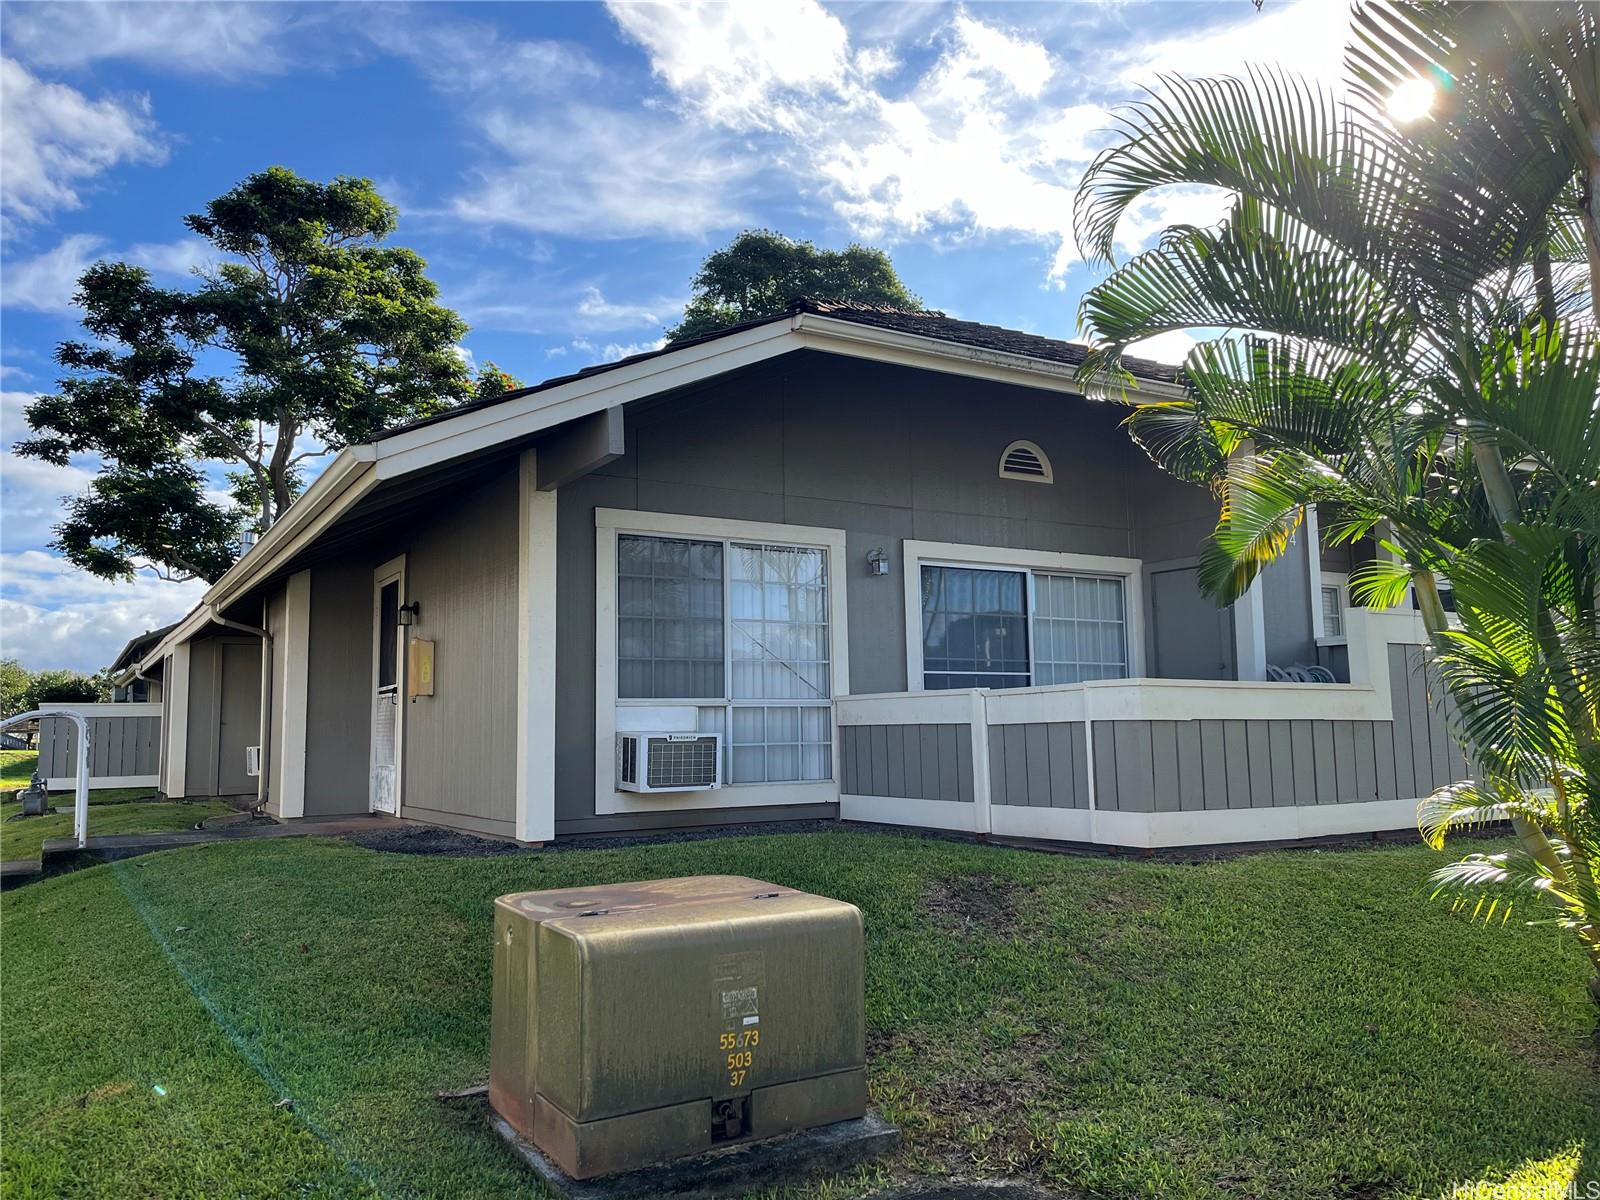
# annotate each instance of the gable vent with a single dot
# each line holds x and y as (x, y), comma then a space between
(1024, 460)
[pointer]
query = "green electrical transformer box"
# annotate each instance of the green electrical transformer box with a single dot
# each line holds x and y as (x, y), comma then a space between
(639, 1022)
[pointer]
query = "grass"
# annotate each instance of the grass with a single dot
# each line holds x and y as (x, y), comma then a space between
(112, 810)
(1289, 1025)
(17, 767)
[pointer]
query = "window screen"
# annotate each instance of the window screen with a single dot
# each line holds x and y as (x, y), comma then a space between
(669, 618)
(1079, 629)
(388, 634)
(1332, 612)
(974, 628)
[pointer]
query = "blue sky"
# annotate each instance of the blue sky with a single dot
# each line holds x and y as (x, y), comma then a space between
(564, 168)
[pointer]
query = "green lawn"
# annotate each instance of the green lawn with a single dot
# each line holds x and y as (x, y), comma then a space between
(1296, 1025)
(112, 810)
(16, 767)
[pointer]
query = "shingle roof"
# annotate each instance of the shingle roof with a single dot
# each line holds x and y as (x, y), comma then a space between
(928, 323)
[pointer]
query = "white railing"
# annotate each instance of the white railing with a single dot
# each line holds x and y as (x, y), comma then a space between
(80, 803)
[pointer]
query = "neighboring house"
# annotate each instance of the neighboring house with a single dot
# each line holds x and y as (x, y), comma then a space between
(203, 679)
(891, 566)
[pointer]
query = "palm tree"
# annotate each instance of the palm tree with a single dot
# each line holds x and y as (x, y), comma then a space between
(1408, 341)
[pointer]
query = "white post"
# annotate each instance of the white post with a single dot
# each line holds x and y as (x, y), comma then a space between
(80, 801)
(536, 655)
(80, 805)
(982, 820)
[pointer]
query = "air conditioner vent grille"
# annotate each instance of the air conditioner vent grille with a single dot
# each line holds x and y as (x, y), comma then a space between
(669, 762)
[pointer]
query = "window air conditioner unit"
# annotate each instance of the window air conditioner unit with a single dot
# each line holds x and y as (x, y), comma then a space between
(252, 760)
(669, 762)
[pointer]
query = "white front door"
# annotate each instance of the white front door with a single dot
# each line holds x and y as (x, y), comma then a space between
(388, 659)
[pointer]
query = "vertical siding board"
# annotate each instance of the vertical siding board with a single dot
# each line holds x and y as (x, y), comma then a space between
(913, 751)
(880, 760)
(1191, 767)
(847, 760)
(1236, 750)
(964, 778)
(1344, 760)
(949, 780)
(1322, 758)
(1366, 763)
(928, 736)
(1135, 772)
(897, 760)
(1305, 762)
(1164, 765)
(1058, 747)
(1280, 750)
(1038, 748)
(1105, 767)
(1080, 764)
(1256, 739)
(1214, 764)
(1383, 759)
(1013, 749)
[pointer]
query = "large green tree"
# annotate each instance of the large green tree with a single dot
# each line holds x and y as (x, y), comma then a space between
(1406, 285)
(758, 273)
(310, 333)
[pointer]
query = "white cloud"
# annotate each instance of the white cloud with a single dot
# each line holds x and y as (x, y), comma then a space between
(55, 140)
(1305, 37)
(613, 351)
(1170, 347)
(470, 56)
(744, 66)
(188, 38)
(46, 282)
(587, 171)
(54, 615)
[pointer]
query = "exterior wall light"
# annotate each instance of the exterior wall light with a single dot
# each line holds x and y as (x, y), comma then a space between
(409, 613)
(877, 562)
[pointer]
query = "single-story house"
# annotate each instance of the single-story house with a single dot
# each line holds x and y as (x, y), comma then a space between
(884, 565)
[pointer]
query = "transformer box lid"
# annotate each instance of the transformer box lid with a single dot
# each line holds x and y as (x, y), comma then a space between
(628, 997)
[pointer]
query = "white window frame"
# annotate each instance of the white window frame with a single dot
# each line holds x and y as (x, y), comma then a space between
(612, 522)
(1328, 579)
(953, 554)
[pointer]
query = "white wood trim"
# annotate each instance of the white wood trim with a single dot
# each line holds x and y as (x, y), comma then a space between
(341, 484)
(1044, 824)
(896, 810)
(141, 708)
(609, 522)
(105, 781)
(953, 707)
(978, 738)
(1277, 824)
(289, 786)
(1314, 571)
(176, 678)
(390, 572)
(915, 554)
(536, 655)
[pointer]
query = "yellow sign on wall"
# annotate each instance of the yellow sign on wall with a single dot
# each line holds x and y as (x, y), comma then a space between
(419, 677)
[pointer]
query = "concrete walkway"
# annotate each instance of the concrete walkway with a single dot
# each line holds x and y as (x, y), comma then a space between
(63, 853)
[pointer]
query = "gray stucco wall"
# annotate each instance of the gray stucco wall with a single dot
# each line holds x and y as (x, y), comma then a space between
(885, 453)
(460, 743)
(338, 689)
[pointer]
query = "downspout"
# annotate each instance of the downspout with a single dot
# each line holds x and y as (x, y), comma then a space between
(261, 704)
